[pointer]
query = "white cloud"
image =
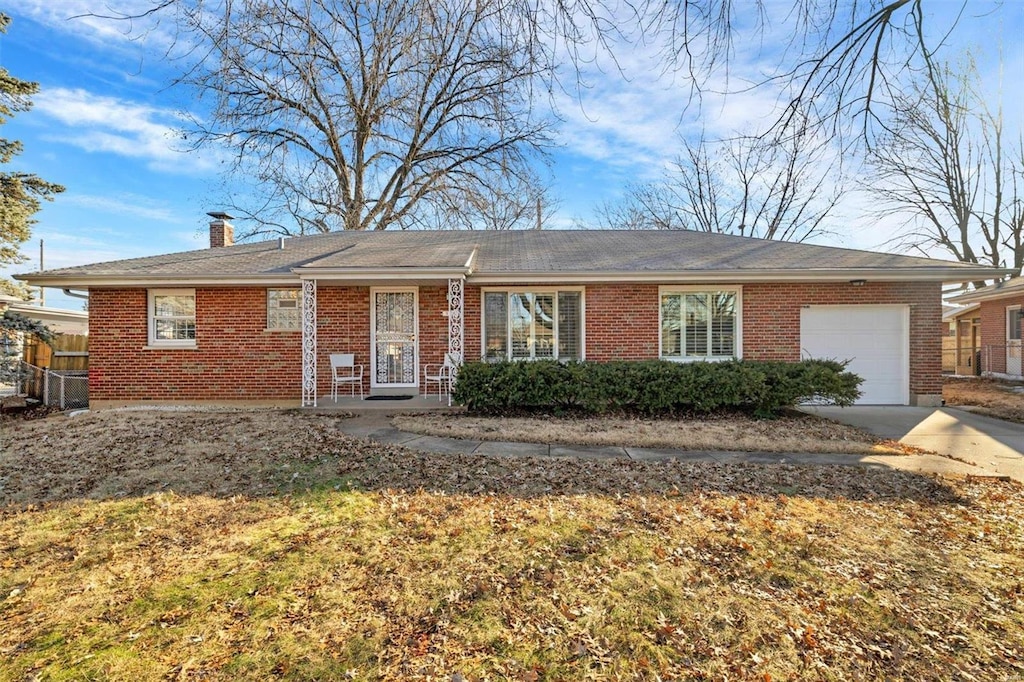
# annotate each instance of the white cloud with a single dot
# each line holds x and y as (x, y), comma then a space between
(99, 123)
(97, 22)
(124, 204)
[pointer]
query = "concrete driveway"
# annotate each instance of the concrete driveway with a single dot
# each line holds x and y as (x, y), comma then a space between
(992, 444)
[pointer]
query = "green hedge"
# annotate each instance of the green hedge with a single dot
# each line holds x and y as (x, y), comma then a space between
(652, 387)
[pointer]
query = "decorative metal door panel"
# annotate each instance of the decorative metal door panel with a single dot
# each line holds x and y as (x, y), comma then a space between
(394, 338)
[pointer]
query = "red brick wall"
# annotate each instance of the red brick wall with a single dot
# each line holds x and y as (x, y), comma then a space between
(237, 359)
(622, 321)
(993, 332)
(343, 326)
(771, 321)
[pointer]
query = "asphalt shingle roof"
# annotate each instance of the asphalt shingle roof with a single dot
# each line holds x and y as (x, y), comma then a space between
(497, 253)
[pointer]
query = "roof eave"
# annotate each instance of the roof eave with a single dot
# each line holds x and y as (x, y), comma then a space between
(86, 281)
(951, 275)
(979, 296)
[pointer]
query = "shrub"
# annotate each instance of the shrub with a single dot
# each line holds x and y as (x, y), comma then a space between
(653, 387)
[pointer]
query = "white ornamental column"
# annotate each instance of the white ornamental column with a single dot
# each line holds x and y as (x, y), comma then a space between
(456, 329)
(309, 343)
(455, 326)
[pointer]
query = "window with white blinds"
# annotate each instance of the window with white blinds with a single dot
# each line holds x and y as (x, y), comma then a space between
(700, 325)
(533, 324)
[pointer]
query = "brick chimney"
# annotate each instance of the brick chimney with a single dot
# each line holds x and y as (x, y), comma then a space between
(222, 233)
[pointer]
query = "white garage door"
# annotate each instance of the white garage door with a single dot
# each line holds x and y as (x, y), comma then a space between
(874, 338)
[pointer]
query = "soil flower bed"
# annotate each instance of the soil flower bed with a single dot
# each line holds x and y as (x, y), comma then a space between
(269, 545)
(995, 398)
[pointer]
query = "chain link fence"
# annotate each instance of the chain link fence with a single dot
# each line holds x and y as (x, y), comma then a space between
(66, 389)
(990, 360)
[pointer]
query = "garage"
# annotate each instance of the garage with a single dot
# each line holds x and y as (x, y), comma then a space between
(874, 338)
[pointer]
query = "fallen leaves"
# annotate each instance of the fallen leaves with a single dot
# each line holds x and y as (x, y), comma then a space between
(203, 555)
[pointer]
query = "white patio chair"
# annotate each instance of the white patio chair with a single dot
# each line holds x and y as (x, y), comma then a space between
(345, 371)
(442, 374)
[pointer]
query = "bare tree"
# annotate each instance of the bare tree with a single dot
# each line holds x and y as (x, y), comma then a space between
(359, 114)
(947, 165)
(520, 202)
(783, 190)
(834, 59)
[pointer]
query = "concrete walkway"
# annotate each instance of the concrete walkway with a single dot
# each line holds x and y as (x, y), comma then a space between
(377, 426)
(994, 445)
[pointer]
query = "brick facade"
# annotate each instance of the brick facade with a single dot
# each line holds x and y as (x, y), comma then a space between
(236, 358)
(993, 331)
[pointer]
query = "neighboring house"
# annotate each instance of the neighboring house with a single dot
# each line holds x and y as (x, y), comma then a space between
(961, 344)
(999, 313)
(57, 319)
(257, 321)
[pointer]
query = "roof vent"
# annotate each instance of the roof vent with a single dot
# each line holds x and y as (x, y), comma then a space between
(222, 233)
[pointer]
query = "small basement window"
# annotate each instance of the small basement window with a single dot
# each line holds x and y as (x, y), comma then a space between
(172, 317)
(283, 309)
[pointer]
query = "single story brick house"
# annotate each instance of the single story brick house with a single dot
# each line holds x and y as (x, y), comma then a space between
(995, 317)
(256, 322)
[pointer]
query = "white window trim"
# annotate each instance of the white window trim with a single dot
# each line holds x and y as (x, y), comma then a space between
(151, 319)
(508, 327)
(298, 326)
(1009, 309)
(709, 288)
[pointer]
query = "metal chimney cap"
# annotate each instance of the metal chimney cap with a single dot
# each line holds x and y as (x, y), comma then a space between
(220, 215)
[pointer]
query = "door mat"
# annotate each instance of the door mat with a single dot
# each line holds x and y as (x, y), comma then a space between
(389, 397)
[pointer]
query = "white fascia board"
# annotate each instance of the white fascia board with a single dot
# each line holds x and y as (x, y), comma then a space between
(374, 274)
(872, 275)
(142, 281)
(29, 309)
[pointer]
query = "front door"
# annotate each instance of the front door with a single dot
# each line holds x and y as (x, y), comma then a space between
(394, 352)
(1014, 316)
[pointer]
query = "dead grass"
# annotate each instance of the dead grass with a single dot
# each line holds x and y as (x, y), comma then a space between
(1000, 399)
(796, 433)
(269, 545)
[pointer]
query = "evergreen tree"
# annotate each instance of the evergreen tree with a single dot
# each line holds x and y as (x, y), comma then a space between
(21, 193)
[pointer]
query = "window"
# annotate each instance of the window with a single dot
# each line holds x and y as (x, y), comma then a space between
(172, 317)
(700, 324)
(282, 309)
(533, 325)
(1014, 316)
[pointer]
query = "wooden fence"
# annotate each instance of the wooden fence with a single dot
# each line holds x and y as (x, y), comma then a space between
(66, 352)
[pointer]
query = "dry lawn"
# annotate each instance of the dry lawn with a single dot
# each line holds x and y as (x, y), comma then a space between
(995, 398)
(795, 433)
(268, 545)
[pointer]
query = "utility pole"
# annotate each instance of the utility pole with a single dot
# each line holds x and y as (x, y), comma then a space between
(42, 291)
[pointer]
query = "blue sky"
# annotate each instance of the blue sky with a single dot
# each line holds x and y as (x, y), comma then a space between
(105, 125)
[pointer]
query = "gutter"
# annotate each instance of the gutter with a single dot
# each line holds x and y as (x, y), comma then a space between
(938, 274)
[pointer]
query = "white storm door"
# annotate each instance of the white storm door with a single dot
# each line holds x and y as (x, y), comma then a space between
(394, 353)
(1013, 344)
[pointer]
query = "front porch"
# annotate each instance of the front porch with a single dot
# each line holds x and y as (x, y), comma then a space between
(418, 403)
(396, 333)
